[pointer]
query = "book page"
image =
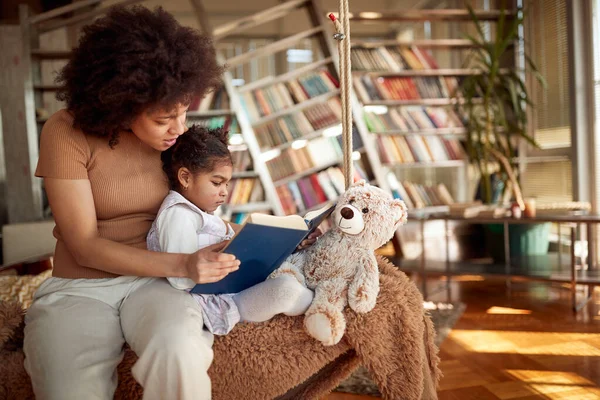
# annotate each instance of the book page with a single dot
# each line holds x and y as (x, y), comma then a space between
(314, 214)
(289, 222)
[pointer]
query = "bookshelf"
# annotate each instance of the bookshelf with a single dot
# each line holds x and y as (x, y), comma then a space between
(406, 99)
(291, 122)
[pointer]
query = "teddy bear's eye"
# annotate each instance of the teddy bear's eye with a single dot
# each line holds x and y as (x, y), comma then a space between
(351, 201)
(365, 210)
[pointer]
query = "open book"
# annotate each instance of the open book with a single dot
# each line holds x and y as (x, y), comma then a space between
(262, 245)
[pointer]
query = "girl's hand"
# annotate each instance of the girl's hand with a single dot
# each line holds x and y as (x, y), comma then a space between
(208, 265)
(312, 239)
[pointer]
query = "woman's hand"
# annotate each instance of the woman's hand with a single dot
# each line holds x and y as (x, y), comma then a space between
(208, 265)
(312, 239)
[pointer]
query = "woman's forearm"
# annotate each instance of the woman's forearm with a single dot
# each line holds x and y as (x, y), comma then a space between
(120, 259)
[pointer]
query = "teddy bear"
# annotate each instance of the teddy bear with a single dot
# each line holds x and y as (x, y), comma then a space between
(341, 266)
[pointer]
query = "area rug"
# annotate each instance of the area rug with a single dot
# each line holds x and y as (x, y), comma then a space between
(443, 315)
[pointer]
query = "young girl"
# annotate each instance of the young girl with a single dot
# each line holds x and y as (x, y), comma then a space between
(199, 168)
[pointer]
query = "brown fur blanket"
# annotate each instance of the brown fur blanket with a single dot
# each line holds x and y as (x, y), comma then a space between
(278, 360)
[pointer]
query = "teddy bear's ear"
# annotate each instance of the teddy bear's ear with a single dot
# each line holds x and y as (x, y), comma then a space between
(361, 182)
(398, 202)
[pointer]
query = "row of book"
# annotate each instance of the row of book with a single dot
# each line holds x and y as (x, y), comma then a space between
(294, 126)
(245, 190)
(265, 101)
(242, 161)
(373, 88)
(419, 149)
(215, 100)
(412, 119)
(312, 191)
(416, 195)
(391, 58)
(316, 153)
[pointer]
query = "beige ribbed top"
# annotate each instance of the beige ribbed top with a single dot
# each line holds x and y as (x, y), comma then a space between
(127, 183)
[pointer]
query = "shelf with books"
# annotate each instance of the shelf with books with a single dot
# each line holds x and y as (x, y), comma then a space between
(304, 173)
(421, 72)
(412, 120)
(406, 90)
(426, 164)
(418, 150)
(414, 102)
(291, 121)
(299, 141)
(423, 43)
(288, 76)
(419, 196)
(456, 132)
(296, 108)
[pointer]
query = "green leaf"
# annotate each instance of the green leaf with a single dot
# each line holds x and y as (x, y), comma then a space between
(476, 21)
(536, 72)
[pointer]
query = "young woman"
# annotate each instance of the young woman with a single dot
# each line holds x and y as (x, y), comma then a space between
(126, 88)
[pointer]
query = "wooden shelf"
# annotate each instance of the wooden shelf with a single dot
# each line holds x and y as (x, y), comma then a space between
(545, 268)
(51, 54)
(429, 15)
(47, 88)
(304, 173)
(249, 207)
(417, 102)
(432, 43)
(427, 72)
(244, 174)
(48, 15)
(542, 159)
(426, 132)
(420, 212)
(298, 107)
(435, 164)
(208, 113)
(259, 18)
(310, 136)
(285, 77)
(273, 47)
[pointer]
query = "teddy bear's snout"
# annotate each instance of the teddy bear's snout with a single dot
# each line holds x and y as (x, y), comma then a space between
(347, 213)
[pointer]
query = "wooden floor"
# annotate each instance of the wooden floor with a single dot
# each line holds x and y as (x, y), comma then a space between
(522, 345)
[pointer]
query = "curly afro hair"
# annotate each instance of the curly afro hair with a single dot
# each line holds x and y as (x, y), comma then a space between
(131, 60)
(200, 149)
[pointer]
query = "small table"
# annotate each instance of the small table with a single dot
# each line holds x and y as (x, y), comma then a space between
(591, 277)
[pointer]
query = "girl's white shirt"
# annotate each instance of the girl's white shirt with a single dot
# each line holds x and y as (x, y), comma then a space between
(181, 227)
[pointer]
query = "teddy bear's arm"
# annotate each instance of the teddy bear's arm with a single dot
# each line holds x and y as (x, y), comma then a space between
(363, 290)
(293, 265)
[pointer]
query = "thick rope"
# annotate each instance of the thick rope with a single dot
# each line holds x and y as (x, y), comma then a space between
(342, 35)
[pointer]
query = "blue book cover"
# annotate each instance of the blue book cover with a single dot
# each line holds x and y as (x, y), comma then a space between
(262, 245)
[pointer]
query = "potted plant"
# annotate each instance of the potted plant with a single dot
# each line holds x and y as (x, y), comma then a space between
(494, 101)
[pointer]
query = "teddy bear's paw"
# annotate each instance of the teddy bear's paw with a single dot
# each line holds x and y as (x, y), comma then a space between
(362, 304)
(322, 328)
